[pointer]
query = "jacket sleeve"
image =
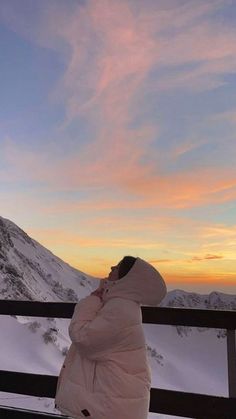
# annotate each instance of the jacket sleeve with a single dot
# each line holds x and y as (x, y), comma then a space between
(96, 328)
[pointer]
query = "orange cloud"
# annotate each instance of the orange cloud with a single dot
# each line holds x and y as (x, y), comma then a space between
(55, 237)
(206, 257)
(216, 278)
(182, 261)
(218, 231)
(141, 182)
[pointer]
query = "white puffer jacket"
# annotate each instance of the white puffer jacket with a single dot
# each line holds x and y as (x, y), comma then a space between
(106, 373)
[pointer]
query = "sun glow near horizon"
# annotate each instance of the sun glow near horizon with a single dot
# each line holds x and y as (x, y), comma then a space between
(181, 268)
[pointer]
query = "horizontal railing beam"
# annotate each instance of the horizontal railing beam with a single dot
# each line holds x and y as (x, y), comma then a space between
(39, 385)
(161, 401)
(7, 412)
(192, 405)
(222, 319)
(36, 309)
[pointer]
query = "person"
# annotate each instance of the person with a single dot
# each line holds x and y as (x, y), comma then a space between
(106, 374)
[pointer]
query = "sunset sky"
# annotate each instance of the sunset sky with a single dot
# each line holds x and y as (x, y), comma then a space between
(117, 133)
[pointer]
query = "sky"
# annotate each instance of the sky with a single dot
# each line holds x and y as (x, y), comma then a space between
(117, 133)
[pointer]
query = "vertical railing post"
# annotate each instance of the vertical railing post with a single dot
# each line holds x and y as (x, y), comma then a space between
(231, 355)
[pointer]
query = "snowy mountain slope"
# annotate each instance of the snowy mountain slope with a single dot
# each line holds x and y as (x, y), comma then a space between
(188, 359)
(28, 271)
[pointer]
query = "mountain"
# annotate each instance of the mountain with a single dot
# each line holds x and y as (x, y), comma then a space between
(213, 301)
(28, 271)
(181, 358)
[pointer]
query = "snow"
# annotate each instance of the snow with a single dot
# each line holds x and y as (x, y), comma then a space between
(25, 351)
(196, 363)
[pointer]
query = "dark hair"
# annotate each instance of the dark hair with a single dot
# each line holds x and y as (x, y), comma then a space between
(125, 265)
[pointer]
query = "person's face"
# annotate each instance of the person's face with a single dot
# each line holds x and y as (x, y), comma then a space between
(114, 274)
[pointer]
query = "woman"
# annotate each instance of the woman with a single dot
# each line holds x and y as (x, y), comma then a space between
(106, 373)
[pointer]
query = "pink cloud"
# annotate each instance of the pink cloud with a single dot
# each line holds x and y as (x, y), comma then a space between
(130, 44)
(120, 169)
(131, 41)
(111, 49)
(228, 116)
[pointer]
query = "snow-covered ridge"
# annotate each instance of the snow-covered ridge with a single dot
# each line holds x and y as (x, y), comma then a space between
(29, 271)
(213, 301)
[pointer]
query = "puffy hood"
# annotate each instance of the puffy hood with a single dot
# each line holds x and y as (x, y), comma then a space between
(143, 284)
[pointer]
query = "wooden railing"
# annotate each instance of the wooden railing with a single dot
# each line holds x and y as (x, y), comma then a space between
(168, 402)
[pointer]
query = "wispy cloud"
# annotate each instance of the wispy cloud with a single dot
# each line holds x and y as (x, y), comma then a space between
(111, 49)
(156, 261)
(227, 116)
(183, 261)
(142, 181)
(58, 237)
(206, 257)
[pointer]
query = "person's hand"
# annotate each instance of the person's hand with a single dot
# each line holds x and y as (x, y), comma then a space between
(99, 291)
